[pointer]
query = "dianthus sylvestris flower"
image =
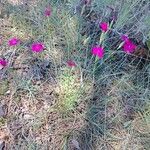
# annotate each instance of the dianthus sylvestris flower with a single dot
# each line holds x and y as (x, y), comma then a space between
(48, 11)
(3, 63)
(129, 47)
(104, 26)
(98, 51)
(37, 47)
(13, 42)
(71, 63)
(124, 38)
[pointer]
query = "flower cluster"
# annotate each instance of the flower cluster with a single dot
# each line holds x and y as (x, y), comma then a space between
(128, 46)
(37, 47)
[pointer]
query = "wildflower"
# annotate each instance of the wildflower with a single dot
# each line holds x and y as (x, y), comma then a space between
(71, 63)
(13, 42)
(47, 11)
(3, 63)
(104, 26)
(98, 51)
(129, 47)
(124, 38)
(37, 47)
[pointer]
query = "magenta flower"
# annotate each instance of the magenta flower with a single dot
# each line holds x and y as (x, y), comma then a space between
(71, 63)
(48, 11)
(3, 63)
(104, 26)
(37, 47)
(129, 47)
(98, 51)
(13, 42)
(125, 38)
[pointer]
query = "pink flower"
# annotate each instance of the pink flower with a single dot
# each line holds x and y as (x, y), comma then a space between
(129, 47)
(71, 63)
(37, 47)
(125, 38)
(3, 63)
(48, 11)
(98, 51)
(13, 42)
(104, 26)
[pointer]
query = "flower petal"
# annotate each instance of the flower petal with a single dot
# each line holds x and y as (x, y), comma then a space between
(104, 26)
(37, 47)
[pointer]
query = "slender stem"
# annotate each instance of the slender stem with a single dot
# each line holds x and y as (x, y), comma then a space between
(94, 68)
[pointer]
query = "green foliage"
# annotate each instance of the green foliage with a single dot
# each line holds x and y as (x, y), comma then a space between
(4, 87)
(69, 90)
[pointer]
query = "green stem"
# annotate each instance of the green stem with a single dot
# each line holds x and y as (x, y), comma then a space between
(94, 68)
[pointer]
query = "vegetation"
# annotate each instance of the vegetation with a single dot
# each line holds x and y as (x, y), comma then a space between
(75, 74)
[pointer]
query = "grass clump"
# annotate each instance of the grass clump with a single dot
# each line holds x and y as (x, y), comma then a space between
(69, 90)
